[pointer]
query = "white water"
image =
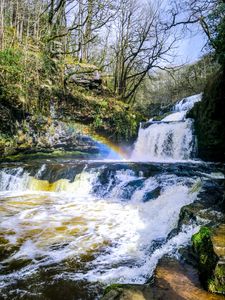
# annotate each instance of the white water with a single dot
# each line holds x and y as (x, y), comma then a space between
(170, 139)
(71, 220)
(187, 103)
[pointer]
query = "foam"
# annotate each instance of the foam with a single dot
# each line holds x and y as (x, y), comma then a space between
(62, 225)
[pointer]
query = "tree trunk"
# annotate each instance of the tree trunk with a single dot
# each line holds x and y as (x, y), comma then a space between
(88, 32)
(80, 38)
(2, 4)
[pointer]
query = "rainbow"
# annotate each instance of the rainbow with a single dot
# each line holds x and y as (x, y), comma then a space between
(117, 150)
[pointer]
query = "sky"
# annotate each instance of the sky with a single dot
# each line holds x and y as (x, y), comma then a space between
(191, 48)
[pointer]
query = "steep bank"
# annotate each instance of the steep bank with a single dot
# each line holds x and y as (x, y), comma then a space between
(209, 116)
(44, 111)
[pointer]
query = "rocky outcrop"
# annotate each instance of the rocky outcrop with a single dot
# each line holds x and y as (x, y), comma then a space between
(209, 116)
(40, 134)
(210, 205)
(107, 116)
(85, 75)
(173, 280)
(209, 245)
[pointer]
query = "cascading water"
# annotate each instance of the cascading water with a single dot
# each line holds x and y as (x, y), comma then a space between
(89, 222)
(170, 139)
(69, 227)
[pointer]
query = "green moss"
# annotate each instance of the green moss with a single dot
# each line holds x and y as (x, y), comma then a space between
(160, 117)
(217, 284)
(112, 287)
(196, 186)
(220, 271)
(40, 155)
(108, 117)
(207, 259)
(213, 287)
(200, 237)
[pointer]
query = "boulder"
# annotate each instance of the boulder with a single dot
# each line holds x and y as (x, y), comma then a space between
(85, 75)
(209, 245)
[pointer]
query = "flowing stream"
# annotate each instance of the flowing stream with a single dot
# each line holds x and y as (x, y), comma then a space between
(69, 227)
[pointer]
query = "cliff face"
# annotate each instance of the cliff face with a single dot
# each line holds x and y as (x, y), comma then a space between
(209, 116)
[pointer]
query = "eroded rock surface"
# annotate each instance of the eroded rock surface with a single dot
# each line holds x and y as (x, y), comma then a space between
(172, 281)
(209, 245)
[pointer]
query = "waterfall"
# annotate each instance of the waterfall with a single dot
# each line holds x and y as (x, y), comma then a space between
(55, 213)
(92, 222)
(171, 138)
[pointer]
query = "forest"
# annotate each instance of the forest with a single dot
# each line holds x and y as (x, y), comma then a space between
(120, 54)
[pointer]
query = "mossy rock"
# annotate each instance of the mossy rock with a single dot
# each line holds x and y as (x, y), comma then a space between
(126, 292)
(217, 284)
(111, 287)
(211, 267)
(209, 116)
(161, 117)
(207, 259)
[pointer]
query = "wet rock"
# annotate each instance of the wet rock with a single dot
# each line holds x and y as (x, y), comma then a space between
(172, 280)
(127, 292)
(218, 240)
(209, 245)
(209, 207)
(152, 194)
(43, 134)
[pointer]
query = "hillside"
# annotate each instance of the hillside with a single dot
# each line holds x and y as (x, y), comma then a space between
(42, 97)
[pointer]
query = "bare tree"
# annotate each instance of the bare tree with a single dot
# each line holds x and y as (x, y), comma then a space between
(184, 13)
(142, 44)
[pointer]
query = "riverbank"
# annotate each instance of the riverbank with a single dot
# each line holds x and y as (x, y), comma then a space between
(209, 116)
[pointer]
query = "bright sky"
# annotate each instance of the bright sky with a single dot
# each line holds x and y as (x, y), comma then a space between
(191, 48)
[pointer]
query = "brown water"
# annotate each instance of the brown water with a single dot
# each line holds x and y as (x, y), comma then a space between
(67, 235)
